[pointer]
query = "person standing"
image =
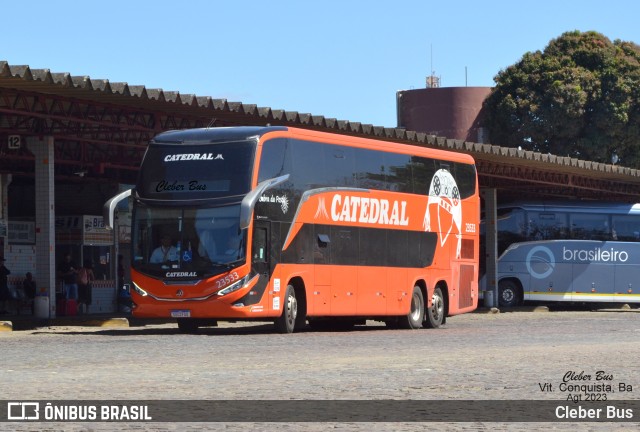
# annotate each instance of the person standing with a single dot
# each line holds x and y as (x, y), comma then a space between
(29, 289)
(5, 295)
(85, 280)
(67, 272)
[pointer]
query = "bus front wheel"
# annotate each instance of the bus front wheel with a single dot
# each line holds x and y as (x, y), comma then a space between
(508, 293)
(289, 320)
(435, 313)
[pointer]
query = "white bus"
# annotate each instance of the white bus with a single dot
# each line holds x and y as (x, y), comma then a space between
(568, 252)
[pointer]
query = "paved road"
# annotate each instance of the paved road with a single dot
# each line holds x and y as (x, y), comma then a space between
(475, 356)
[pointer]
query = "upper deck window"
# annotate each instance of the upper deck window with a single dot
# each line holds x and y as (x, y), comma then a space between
(196, 171)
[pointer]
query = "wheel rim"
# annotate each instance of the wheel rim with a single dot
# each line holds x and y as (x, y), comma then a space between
(437, 306)
(416, 307)
(292, 309)
(508, 295)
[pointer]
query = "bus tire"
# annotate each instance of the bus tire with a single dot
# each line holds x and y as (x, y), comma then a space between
(413, 320)
(286, 323)
(509, 293)
(187, 325)
(435, 313)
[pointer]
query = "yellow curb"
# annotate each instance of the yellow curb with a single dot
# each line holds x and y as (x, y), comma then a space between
(113, 322)
(6, 326)
(492, 310)
(527, 309)
(89, 322)
(110, 322)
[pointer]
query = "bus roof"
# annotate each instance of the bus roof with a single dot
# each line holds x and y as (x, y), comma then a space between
(243, 133)
(215, 134)
(575, 207)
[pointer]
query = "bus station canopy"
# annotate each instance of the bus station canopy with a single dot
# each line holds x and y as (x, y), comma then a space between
(101, 130)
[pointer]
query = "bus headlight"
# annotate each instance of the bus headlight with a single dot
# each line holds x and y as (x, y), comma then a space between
(234, 286)
(139, 290)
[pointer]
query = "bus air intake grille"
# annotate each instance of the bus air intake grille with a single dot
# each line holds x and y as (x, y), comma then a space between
(466, 279)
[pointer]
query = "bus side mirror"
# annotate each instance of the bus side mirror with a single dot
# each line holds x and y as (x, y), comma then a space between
(249, 201)
(109, 208)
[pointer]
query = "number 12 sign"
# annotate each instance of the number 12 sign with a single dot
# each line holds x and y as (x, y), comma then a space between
(15, 142)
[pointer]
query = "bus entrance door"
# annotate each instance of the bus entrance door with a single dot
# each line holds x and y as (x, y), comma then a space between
(260, 262)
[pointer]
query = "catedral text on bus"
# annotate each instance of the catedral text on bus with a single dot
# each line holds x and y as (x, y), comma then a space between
(294, 226)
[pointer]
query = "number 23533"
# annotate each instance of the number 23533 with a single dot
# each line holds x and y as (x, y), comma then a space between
(228, 279)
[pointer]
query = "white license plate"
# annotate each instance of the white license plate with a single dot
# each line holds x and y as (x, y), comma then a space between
(180, 313)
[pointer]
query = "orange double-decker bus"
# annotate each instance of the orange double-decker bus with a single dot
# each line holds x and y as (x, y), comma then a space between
(297, 226)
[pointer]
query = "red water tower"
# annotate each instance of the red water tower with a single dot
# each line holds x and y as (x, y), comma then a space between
(450, 112)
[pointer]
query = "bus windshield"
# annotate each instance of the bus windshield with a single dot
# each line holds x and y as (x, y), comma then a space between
(196, 171)
(187, 243)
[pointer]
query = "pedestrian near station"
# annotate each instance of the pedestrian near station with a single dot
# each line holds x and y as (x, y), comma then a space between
(5, 295)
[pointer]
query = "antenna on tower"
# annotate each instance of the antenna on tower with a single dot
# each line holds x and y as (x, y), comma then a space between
(432, 80)
(431, 54)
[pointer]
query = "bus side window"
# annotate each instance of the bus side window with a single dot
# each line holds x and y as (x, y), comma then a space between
(273, 163)
(547, 225)
(626, 228)
(590, 226)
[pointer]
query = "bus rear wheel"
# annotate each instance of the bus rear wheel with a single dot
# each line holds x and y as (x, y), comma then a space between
(508, 293)
(289, 320)
(435, 313)
(413, 320)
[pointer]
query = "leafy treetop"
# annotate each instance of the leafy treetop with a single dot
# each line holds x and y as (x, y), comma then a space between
(580, 97)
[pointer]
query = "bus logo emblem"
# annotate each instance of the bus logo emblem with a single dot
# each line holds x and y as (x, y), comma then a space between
(444, 193)
(540, 262)
(322, 209)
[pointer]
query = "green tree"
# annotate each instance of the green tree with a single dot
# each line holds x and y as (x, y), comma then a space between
(580, 97)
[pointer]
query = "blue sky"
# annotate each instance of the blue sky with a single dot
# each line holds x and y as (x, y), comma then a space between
(343, 59)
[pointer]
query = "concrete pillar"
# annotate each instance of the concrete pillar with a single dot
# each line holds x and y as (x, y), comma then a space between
(5, 180)
(42, 149)
(491, 246)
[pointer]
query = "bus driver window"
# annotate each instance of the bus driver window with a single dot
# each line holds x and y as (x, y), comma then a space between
(260, 245)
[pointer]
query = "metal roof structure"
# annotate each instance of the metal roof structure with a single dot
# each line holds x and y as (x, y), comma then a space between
(102, 128)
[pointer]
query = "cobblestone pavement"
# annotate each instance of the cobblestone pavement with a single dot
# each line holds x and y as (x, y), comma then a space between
(475, 356)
